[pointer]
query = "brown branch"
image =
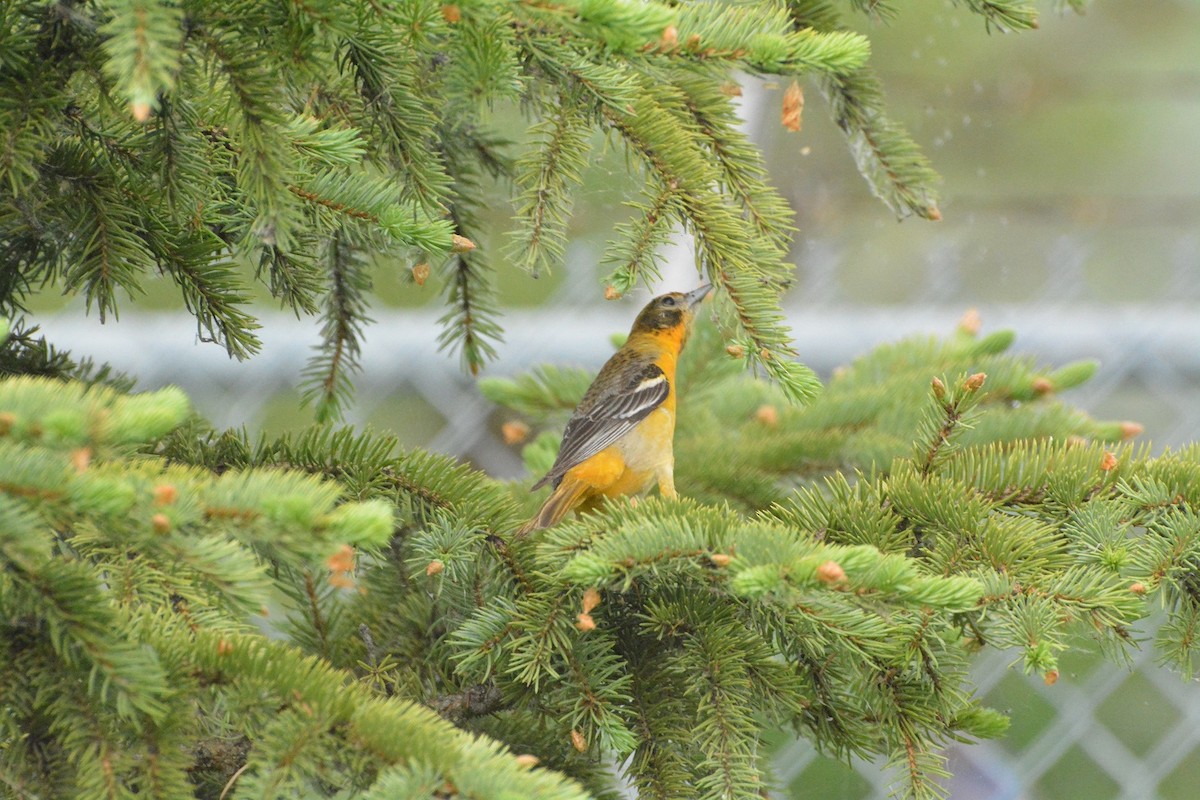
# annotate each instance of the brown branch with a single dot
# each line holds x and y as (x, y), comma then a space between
(475, 701)
(310, 589)
(333, 205)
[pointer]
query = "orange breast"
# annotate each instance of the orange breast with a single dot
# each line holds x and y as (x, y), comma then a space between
(630, 465)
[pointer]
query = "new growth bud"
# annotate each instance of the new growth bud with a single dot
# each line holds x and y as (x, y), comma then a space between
(975, 382)
(514, 431)
(830, 573)
(970, 322)
(420, 273)
(591, 599)
(1131, 429)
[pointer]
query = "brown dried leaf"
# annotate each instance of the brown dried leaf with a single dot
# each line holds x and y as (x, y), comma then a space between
(793, 106)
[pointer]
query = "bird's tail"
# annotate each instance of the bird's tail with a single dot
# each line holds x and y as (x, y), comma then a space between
(564, 497)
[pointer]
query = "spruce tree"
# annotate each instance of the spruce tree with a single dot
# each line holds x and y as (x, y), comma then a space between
(186, 611)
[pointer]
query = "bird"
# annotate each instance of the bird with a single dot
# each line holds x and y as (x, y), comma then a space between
(619, 440)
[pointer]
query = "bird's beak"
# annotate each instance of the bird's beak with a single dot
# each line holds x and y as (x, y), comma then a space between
(696, 295)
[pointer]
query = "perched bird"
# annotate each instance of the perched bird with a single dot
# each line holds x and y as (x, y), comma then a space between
(618, 441)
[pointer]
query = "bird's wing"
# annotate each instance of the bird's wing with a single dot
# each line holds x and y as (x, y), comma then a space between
(596, 425)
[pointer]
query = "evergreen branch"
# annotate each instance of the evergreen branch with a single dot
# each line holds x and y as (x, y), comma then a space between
(500, 545)
(104, 250)
(544, 175)
(746, 269)
(622, 26)
(1004, 15)
(892, 164)
(954, 405)
(401, 123)
(22, 352)
(390, 731)
(610, 86)
(212, 293)
(878, 10)
(660, 770)
(634, 251)
(333, 205)
(78, 619)
(315, 616)
(424, 484)
(762, 40)
(257, 126)
(142, 42)
(728, 731)
(914, 759)
(293, 277)
(479, 700)
(371, 200)
(468, 326)
(328, 373)
(886, 156)
(743, 172)
(545, 391)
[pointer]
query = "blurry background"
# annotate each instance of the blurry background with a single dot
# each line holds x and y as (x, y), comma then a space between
(1071, 203)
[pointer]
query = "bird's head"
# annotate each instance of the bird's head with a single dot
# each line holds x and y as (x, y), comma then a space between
(670, 315)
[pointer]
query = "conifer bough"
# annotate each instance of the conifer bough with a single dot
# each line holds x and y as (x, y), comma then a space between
(298, 144)
(832, 572)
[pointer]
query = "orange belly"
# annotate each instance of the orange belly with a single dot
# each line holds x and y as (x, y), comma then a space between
(629, 466)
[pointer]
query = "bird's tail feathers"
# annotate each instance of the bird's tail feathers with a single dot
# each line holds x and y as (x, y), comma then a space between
(560, 501)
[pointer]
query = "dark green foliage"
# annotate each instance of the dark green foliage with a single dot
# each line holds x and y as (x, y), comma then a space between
(127, 593)
(185, 611)
(194, 139)
(833, 573)
(897, 526)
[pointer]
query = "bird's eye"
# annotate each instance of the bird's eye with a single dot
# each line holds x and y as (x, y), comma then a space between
(668, 301)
